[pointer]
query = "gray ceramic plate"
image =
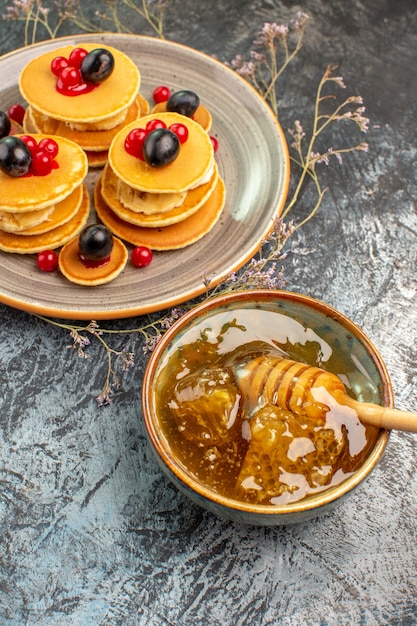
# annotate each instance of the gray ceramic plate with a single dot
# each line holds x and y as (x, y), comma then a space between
(252, 159)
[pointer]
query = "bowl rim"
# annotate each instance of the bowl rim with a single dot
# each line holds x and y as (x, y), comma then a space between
(320, 499)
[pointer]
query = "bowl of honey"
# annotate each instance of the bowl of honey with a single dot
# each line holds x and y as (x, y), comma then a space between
(249, 406)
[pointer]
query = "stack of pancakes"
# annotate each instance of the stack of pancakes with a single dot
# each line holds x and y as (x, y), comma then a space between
(162, 208)
(92, 119)
(44, 212)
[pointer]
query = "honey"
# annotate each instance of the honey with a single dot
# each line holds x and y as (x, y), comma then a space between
(235, 434)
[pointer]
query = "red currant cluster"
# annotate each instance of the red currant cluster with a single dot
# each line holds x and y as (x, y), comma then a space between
(59, 64)
(43, 155)
(82, 71)
(71, 80)
(135, 140)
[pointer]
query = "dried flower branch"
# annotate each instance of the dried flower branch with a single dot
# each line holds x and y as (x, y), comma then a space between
(271, 56)
(150, 12)
(34, 15)
(40, 20)
(262, 271)
(153, 16)
(308, 159)
(263, 71)
(81, 341)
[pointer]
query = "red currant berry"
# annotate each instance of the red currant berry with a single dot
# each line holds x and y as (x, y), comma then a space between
(154, 124)
(134, 142)
(181, 131)
(41, 163)
(58, 64)
(141, 256)
(30, 141)
(76, 57)
(16, 113)
(71, 77)
(137, 134)
(47, 260)
(161, 94)
(49, 145)
(214, 143)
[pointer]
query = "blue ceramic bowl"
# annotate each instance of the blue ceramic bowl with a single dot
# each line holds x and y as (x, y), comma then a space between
(291, 319)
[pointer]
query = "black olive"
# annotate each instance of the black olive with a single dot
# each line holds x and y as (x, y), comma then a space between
(15, 156)
(97, 65)
(183, 102)
(161, 147)
(5, 125)
(95, 242)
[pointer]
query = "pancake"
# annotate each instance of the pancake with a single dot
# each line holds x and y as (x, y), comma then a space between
(77, 272)
(171, 237)
(19, 222)
(144, 202)
(141, 201)
(116, 191)
(202, 115)
(114, 95)
(29, 124)
(192, 202)
(29, 193)
(61, 213)
(192, 167)
(91, 140)
(32, 244)
(97, 159)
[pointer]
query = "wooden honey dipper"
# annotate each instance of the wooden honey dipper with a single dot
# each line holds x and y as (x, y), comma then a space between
(289, 384)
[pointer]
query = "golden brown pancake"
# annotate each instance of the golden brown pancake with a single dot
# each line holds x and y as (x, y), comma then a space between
(31, 244)
(115, 94)
(29, 193)
(116, 191)
(192, 167)
(76, 271)
(202, 116)
(62, 212)
(168, 237)
(192, 202)
(147, 203)
(20, 222)
(97, 159)
(29, 125)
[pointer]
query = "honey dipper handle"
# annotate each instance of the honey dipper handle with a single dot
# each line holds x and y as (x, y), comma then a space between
(383, 417)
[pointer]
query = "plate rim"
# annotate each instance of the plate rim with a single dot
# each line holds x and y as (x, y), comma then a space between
(126, 311)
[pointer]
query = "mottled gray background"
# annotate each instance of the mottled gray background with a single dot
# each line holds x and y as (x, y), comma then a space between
(91, 531)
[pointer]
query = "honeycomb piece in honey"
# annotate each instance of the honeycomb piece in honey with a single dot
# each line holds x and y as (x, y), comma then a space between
(206, 406)
(287, 454)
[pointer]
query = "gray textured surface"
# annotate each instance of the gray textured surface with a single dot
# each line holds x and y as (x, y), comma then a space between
(91, 531)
